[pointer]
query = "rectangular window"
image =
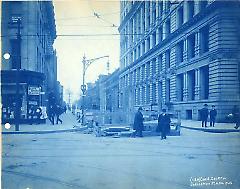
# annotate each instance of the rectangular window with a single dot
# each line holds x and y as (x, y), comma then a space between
(168, 90)
(167, 6)
(153, 39)
(204, 82)
(160, 34)
(180, 17)
(143, 17)
(138, 96)
(148, 43)
(143, 94)
(179, 87)
(191, 85)
(148, 15)
(135, 54)
(204, 39)
(190, 9)
(148, 94)
(167, 28)
(191, 46)
(179, 52)
(203, 4)
(160, 62)
(167, 59)
(139, 51)
(148, 69)
(154, 93)
(154, 12)
(143, 47)
(153, 66)
(160, 8)
(143, 72)
(160, 94)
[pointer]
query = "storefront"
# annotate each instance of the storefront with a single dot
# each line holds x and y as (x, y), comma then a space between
(30, 92)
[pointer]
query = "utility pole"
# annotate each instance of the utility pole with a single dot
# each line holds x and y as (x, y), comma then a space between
(18, 65)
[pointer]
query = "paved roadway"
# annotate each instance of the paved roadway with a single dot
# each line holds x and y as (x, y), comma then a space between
(75, 160)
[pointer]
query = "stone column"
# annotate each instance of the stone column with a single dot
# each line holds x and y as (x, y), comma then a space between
(185, 87)
(197, 84)
(185, 47)
(197, 44)
(146, 15)
(151, 12)
(151, 92)
(140, 95)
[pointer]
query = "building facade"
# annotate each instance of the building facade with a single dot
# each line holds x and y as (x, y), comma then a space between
(179, 55)
(38, 61)
(110, 104)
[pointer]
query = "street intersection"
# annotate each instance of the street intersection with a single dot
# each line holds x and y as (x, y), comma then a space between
(75, 160)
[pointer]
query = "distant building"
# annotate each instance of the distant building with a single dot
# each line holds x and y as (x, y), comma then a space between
(110, 106)
(180, 55)
(38, 74)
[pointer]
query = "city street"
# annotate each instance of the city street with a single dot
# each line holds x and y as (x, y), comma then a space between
(75, 160)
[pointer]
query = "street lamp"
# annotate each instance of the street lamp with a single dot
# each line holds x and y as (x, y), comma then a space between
(86, 64)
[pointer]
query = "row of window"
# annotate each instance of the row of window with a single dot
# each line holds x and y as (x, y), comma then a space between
(137, 26)
(147, 94)
(189, 51)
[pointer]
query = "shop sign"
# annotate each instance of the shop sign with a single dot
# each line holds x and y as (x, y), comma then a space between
(34, 90)
(32, 103)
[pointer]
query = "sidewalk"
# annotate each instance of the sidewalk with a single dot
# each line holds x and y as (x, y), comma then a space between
(197, 125)
(68, 125)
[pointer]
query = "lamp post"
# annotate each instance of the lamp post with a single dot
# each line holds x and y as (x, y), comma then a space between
(86, 64)
(18, 106)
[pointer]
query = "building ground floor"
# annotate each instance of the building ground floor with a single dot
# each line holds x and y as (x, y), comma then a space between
(31, 94)
(184, 90)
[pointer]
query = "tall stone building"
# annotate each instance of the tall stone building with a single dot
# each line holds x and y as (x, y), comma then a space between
(180, 55)
(38, 69)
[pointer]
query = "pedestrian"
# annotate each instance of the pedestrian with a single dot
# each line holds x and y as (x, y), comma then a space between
(51, 114)
(204, 115)
(38, 114)
(163, 124)
(65, 109)
(58, 112)
(31, 114)
(138, 123)
(213, 114)
(236, 116)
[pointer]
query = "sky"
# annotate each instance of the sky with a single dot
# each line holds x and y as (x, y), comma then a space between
(85, 21)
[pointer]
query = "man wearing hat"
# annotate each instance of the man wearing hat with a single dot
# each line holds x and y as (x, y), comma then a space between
(164, 124)
(138, 123)
(204, 115)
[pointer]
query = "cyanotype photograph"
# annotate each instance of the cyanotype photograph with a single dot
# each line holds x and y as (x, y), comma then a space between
(120, 94)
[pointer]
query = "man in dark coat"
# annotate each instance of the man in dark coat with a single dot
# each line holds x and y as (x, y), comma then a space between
(213, 114)
(58, 111)
(236, 116)
(38, 114)
(31, 114)
(164, 124)
(138, 123)
(51, 114)
(204, 115)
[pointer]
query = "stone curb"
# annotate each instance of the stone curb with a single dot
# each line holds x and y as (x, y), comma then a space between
(44, 132)
(212, 130)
